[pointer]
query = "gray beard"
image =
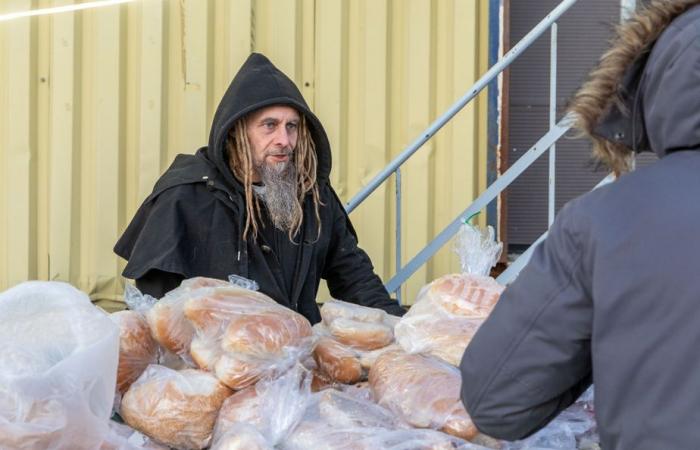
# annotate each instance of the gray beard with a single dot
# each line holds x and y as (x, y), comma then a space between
(280, 193)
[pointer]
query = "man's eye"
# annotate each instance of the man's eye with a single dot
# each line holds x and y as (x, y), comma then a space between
(292, 126)
(269, 125)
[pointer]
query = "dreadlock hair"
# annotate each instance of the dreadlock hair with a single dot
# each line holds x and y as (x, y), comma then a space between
(633, 38)
(305, 161)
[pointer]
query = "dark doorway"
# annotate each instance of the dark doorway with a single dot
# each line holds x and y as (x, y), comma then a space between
(583, 35)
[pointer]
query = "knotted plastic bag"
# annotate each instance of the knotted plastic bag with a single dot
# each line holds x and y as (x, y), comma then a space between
(477, 249)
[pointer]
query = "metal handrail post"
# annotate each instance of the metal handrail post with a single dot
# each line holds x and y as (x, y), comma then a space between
(552, 122)
(492, 73)
(398, 229)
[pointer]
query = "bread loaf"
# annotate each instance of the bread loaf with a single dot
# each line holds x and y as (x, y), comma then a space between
(242, 335)
(168, 325)
(214, 307)
(167, 320)
(447, 314)
(464, 295)
(368, 358)
(238, 371)
(421, 390)
(361, 335)
(443, 336)
(265, 334)
(137, 349)
(337, 361)
(177, 408)
(204, 352)
(244, 406)
(334, 309)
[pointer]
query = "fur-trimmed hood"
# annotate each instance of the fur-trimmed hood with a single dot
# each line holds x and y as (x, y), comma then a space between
(645, 93)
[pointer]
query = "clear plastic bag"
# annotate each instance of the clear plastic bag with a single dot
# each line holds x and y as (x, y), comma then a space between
(357, 326)
(423, 391)
(273, 407)
(334, 309)
(243, 282)
(336, 420)
(137, 349)
(241, 436)
(58, 368)
(337, 362)
(123, 437)
(137, 301)
(573, 428)
(177, 408)
(446, 315)
(477, 249)
(167, 321)
(243, 335)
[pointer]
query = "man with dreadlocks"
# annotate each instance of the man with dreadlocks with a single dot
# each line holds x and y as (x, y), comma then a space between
(256, 202)
(612, 295)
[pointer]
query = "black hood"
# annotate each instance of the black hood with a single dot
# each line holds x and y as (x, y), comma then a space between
(670, 87)
(257, 84)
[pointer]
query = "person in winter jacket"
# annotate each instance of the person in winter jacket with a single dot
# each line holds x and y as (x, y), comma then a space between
(256, 202)
(612, 295)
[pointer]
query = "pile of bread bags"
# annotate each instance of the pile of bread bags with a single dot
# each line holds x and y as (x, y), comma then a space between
(58, 371)
(218, 365)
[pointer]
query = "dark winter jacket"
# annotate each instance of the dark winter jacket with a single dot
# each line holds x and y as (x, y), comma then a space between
(613, 294)
(192, 224)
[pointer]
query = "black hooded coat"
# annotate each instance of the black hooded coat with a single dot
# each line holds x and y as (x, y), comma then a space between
(192, 224)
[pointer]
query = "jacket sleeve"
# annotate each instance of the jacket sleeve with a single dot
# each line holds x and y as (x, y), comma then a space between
(349, 271)
(531, 358)
(157, 283)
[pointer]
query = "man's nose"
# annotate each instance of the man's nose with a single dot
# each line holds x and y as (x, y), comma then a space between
(282, 138)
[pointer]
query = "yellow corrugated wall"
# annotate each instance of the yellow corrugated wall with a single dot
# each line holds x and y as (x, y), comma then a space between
(94, 106)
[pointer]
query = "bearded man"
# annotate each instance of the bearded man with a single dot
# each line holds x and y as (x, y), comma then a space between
(256, 202)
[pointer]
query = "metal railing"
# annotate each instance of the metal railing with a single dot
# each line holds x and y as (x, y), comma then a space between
(545, 143)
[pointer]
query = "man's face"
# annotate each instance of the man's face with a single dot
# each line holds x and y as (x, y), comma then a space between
(272, 133)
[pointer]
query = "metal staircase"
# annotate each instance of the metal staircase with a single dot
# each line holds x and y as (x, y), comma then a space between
(546, 142)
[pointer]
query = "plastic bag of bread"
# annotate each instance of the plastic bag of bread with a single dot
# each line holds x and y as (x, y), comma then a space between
(575, 427)
(360, 327)
(335, 309)
(241, 436)
(58, 368)
(337, 361)
(446, 315)
(137, 349)
(123, 437)
(423, 391)
(336, 420)
(176, 408)
(167, 320)
(243, 335)
(464, 295)
(273, 407)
